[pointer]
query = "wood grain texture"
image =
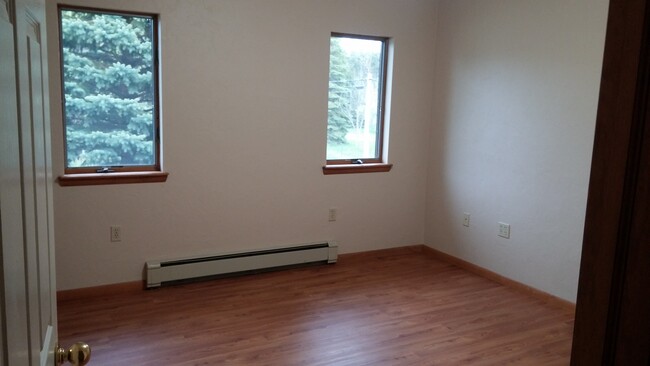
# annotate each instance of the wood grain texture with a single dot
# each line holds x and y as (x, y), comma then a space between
(612, 324)
(123, 288)
(93, 179)
(394, 307)
(356, 168)
(471, 267)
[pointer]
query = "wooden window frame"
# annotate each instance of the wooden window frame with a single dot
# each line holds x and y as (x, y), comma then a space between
(97, 175)
(376, 164)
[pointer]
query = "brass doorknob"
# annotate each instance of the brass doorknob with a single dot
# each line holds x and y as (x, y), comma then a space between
(78, 354)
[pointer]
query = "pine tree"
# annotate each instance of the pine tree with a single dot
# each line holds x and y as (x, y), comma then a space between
(109, 89)
(338, 105)
(349, 76)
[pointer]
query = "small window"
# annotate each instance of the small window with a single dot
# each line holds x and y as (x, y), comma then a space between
(357, 83)
(110, 91)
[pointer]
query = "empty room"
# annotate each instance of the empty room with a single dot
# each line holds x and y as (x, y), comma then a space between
(300, 182)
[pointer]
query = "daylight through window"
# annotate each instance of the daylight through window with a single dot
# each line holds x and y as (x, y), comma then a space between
(356, 96)
(110, 91)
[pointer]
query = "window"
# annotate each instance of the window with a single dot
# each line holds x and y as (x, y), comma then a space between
(355, 111)
(110, 91)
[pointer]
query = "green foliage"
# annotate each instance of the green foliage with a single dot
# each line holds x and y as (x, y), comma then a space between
(338, 120)
(352, 75)
(108, 88)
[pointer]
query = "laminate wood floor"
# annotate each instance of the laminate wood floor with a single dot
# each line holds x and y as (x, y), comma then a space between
(395, 307)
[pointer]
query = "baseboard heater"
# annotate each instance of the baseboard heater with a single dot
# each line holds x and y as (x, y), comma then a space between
(162, 272)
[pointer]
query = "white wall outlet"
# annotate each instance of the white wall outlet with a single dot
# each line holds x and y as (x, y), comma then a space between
(116, 233)
(332, 214)
(504, 230)
(465, 219)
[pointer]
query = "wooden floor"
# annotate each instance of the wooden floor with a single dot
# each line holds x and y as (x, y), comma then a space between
(397, 307)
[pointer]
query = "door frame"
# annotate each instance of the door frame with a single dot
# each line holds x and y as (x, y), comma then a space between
(612, 324)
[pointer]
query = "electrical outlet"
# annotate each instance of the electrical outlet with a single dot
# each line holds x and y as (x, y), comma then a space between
(116, 233)
(332, 214)
(504, 230)
(465, 219)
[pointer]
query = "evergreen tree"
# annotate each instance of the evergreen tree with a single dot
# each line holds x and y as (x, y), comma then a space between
(350, 73)
(108, 88)
(338, 105)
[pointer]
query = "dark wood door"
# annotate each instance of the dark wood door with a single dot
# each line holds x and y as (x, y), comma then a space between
(613, 308)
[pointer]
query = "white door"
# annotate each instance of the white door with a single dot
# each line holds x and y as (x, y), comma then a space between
(27, 296)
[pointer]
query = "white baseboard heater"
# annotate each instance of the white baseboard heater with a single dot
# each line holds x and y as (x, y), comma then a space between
(161, 272)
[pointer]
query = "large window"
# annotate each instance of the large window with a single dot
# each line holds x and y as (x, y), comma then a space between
(357, 83)
(110, 91)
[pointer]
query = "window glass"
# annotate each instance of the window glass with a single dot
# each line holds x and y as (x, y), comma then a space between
(109, 89)
(356, 95)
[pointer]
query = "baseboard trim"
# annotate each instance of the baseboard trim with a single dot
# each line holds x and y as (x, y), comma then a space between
(486, 273)
(100, 291)
(139, 286)
(359, 256)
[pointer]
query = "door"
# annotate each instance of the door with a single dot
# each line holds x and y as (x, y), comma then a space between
(612, 325)
(28, 307)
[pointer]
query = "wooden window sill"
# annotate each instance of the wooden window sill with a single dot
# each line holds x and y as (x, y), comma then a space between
(356, 168)
(91, 179)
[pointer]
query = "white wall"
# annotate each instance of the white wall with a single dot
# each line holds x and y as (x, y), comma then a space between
(244, 87)
(244, 98)
(516, 94)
